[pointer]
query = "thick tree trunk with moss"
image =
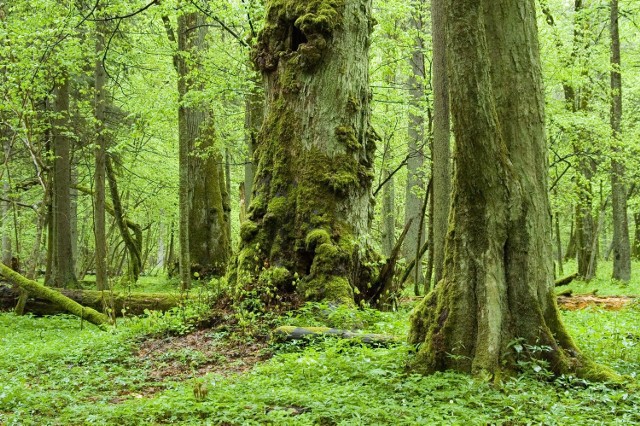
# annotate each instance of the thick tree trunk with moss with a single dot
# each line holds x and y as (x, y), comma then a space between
(204, 230)
(497, 288)
(621, 245)
(62, 272)
(305, 232)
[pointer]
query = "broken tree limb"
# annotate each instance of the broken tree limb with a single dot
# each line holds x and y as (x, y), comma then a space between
(382, 291)
(287, 333)
(117, 303)
(68, 305)
(566, 280)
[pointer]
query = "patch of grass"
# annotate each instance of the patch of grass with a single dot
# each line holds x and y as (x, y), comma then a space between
(602, 282)
(54, 372)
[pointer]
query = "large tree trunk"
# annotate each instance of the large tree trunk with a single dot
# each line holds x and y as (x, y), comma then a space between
(441, 137)
(497, 286)
(306, 225)
(62, 267)
(621, 245)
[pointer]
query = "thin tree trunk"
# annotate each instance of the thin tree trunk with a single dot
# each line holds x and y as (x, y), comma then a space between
(416, 142)
(559, 257)
(636, 239)
(100, 161)
(388, 215)
(133, 244)
(441, 136)
(621, 245)
(5, 204)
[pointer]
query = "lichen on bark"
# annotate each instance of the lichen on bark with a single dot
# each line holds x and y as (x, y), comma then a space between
(311, 206)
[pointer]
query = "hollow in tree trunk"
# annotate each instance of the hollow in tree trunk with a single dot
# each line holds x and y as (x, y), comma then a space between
(497, 287)
(304, 237)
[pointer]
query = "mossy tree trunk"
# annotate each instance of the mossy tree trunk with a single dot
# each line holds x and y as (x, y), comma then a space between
(204, 231)
(497, 286)
(304, 237)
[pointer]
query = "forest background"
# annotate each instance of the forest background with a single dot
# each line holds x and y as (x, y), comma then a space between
(87, 86)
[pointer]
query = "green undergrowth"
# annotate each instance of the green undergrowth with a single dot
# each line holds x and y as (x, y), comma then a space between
(602, 284)
(53, 371)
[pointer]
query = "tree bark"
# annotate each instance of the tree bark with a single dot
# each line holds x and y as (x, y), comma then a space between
(254, 113)
(497, 286)
(62, 268)
(441, 155)
(621, 244)
(304, 237)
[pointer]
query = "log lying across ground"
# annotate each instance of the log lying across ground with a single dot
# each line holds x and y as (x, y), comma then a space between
(54, 297)
(285, 333)
(566, 280)
(582, 301)
(131, 303)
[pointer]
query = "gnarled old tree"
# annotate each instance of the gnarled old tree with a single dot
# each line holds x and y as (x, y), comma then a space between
(497, 285)
(306, 223)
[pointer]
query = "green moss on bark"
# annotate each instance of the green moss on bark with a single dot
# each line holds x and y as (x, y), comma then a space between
(296, 28)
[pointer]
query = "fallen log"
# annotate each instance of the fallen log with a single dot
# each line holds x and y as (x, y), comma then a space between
(54, 297)
(582, 301)
(115, 303)
(287, 333)
(566, 280)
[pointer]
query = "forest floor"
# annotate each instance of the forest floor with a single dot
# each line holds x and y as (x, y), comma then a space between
(165, 369)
